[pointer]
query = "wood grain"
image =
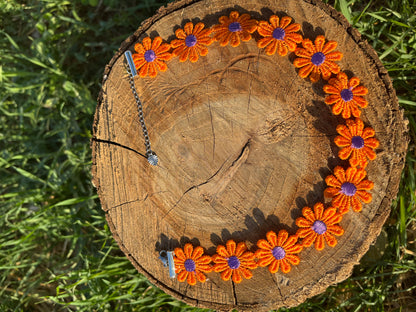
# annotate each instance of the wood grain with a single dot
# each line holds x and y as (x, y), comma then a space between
(244, 144)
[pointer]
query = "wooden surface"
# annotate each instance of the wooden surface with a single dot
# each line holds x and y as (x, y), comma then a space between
(244, 144)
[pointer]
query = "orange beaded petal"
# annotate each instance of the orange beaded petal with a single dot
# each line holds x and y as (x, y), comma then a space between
(357, 156)
(160, 55)
(199, 47)
(282, 46)
(223, 35)
(201, 263)
(242, 257)
(328, 66)
(286, 254)
(347, 107)
(328, 217)
(354, 176)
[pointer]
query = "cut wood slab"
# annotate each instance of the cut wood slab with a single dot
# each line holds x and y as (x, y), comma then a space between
(244, 144)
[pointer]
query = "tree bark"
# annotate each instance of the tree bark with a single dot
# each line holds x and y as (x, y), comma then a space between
(243, 144)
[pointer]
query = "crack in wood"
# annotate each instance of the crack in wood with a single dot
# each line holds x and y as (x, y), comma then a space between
(219, 182)
(119, 145)
(127, 203)
(213, 131)
(244, 150)
(250, 88)
(280, 292)
(234, 293)
(225, 177)
(193, 187)
(136, 200)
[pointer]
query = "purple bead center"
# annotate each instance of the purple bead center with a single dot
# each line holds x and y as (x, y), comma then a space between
(278, 252)
(346, 95)
(279, 33)
(190, 40)
(189, 265)
(235, 26)
(149, 56)
(357, 142)
(233, 262)
(318, 58)
(319, 227)
(348, 189)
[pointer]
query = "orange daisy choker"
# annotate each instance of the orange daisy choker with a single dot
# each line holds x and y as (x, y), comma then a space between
(347, 187)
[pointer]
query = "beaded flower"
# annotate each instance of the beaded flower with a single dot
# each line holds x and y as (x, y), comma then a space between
(234, 261)
(316, 59)
(348, 188)
(319, 226)
(345, 95)
(234, 28)
(151, 56)
(278, 37)
(190, 264)
(191, 42)
(278, 251)
(356, 142)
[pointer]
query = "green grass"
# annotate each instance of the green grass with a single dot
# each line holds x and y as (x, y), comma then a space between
(56, 252)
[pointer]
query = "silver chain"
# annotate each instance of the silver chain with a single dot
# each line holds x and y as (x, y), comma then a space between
(151, 156)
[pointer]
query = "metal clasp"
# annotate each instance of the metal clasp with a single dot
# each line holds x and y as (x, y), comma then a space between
(167, 259)
(130, 62)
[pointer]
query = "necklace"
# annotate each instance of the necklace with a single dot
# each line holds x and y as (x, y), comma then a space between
(347, 187)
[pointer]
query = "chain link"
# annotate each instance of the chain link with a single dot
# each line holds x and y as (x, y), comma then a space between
(151, 156)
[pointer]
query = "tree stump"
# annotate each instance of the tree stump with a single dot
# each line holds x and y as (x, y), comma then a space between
(244, 144)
